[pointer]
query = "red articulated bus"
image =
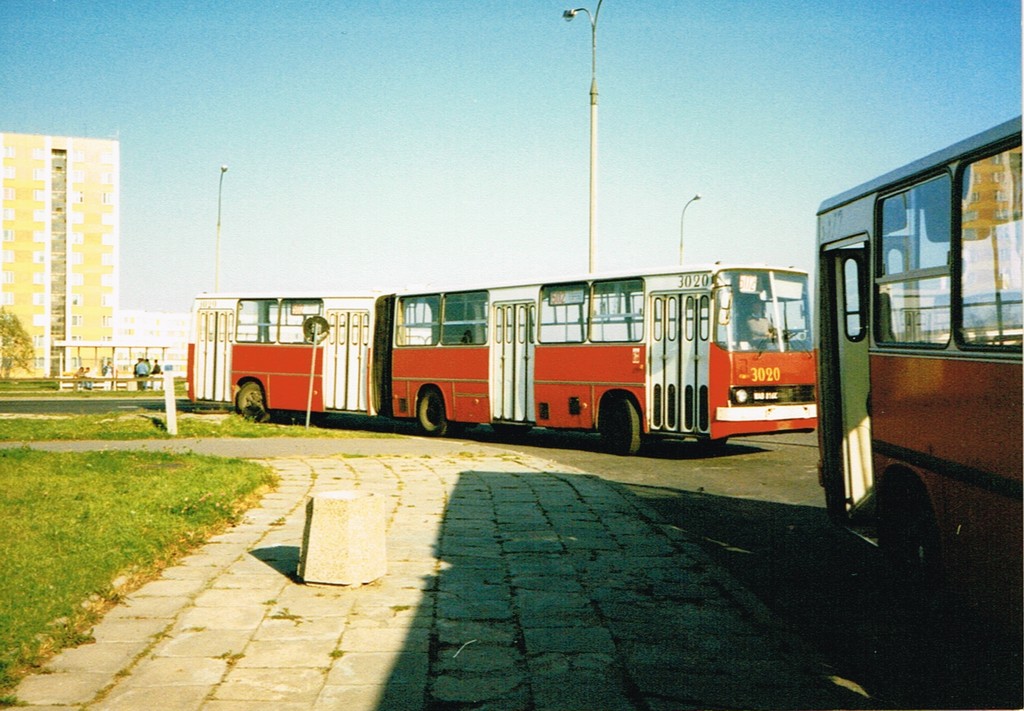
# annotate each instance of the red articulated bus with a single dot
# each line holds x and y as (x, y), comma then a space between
(701, 353)
(919, 303)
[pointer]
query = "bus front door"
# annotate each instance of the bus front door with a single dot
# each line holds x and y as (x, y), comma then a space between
(345, 360)
(846, 374)
(212, 376)
(678, 394)
(512, 362)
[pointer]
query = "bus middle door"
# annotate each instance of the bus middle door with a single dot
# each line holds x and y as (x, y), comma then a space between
(512, 362)
(345, 360)
(678, 369)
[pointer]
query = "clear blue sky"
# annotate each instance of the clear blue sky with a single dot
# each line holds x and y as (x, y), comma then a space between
(380, 143)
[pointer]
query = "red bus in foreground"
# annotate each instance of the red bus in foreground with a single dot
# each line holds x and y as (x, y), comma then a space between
(919, 303)
(702, 353)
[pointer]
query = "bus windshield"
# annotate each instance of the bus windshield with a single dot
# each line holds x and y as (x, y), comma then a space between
(762, 310)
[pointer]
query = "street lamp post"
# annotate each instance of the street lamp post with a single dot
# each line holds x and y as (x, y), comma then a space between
(569, 15)
(681, 218)
(220, 194)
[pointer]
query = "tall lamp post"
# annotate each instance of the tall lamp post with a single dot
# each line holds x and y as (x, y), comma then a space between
(569, 15)
(681, 218)
(220, 194)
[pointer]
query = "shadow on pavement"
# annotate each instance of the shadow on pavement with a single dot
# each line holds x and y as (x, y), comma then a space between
(554, 592)
(839, 593)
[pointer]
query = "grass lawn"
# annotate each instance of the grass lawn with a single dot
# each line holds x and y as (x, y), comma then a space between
(72, 523)
(150, 425)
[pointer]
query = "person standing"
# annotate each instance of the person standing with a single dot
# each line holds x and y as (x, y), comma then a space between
(141, 371)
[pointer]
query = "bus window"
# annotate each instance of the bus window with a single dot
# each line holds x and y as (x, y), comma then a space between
(419, 320)
(852, 306)
(465, 319)
(991, 252)
(563, 313)
(294, 312)
(618, 311)
(257, 320)
(914, 284)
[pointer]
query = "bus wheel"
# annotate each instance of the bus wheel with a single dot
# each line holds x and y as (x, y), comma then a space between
(431, 415)
(909, 536)
(619, 425)
(250, 403)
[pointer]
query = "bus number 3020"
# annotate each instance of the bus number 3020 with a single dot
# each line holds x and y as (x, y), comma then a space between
(766, 375)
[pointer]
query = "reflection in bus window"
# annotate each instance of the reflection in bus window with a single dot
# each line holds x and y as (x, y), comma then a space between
(991, 252)
(465, 319)
(419, 320)
(914, 284)
(618, 311)
(563, 313)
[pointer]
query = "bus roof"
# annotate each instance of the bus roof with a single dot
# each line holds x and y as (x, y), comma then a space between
(968, 145)
(455, 286)
(288, 295)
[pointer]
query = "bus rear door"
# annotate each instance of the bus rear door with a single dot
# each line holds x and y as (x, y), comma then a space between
(212, 367)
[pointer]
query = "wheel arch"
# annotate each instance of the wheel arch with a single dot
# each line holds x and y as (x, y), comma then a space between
(614, 395)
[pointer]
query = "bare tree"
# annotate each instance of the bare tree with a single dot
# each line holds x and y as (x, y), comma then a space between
(16, 350)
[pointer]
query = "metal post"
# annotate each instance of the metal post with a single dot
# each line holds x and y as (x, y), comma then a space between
(220, 193)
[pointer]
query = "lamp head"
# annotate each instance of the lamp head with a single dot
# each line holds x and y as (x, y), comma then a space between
(697, 196)
(568, 15)
(223, 169)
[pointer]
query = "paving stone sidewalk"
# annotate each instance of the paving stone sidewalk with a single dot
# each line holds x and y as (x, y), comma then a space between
(513, 583)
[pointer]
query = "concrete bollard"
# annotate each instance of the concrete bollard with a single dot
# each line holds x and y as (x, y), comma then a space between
(344, 539)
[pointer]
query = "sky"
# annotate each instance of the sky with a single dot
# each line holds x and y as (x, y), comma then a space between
(385, 144)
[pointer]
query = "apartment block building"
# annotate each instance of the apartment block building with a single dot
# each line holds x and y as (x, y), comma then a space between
(59, 267)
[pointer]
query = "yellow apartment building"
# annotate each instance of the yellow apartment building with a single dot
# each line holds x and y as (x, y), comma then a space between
(61, 242)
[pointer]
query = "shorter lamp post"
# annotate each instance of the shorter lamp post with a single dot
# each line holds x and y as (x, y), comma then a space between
(682, 217)
(220, 193)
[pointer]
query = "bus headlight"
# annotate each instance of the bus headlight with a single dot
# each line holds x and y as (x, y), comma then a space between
(741, 396)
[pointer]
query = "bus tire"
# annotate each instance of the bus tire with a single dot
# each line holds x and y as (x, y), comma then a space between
(909, 536)
(251, 404)
(431, 415)
(619, 426)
